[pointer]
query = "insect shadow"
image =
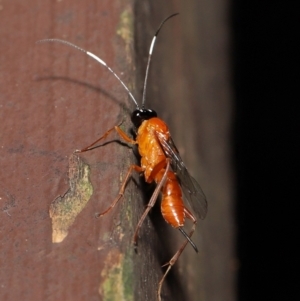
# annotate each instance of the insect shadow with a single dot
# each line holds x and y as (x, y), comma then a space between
(88, 86)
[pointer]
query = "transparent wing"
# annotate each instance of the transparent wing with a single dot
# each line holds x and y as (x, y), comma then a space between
(190, 188)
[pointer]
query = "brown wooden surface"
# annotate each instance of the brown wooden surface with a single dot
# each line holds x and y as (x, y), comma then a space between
(54, 99)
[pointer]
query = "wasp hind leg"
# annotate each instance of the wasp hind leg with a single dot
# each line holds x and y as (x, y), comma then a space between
(178, 253)
(151, 203)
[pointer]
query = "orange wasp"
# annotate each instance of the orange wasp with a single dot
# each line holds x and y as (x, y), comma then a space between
(160, 162)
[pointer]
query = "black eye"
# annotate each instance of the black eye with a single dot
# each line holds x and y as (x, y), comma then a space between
(138, 116)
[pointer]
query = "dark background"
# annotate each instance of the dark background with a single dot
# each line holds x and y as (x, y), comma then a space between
(266, 74)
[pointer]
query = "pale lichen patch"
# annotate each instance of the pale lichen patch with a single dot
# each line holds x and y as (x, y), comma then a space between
(64, 209)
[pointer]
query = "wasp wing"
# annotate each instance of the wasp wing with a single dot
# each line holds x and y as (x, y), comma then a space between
(190, 188)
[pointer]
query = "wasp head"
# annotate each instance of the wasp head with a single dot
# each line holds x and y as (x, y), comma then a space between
(139, 115)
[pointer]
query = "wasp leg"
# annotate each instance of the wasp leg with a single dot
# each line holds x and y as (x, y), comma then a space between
(177, 254)
(117, 129)
(151, 202)
(122, 189)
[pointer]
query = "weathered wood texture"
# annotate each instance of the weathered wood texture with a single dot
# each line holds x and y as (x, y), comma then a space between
(54, 99)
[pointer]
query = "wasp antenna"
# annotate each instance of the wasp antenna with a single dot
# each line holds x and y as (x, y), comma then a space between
(189, 239)
(150, 55)
(96, 58)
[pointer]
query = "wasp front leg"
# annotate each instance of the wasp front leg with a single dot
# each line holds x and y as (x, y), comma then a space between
(137, 168)
(117, 128)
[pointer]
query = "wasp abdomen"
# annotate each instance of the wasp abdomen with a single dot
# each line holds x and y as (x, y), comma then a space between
(172, 206)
